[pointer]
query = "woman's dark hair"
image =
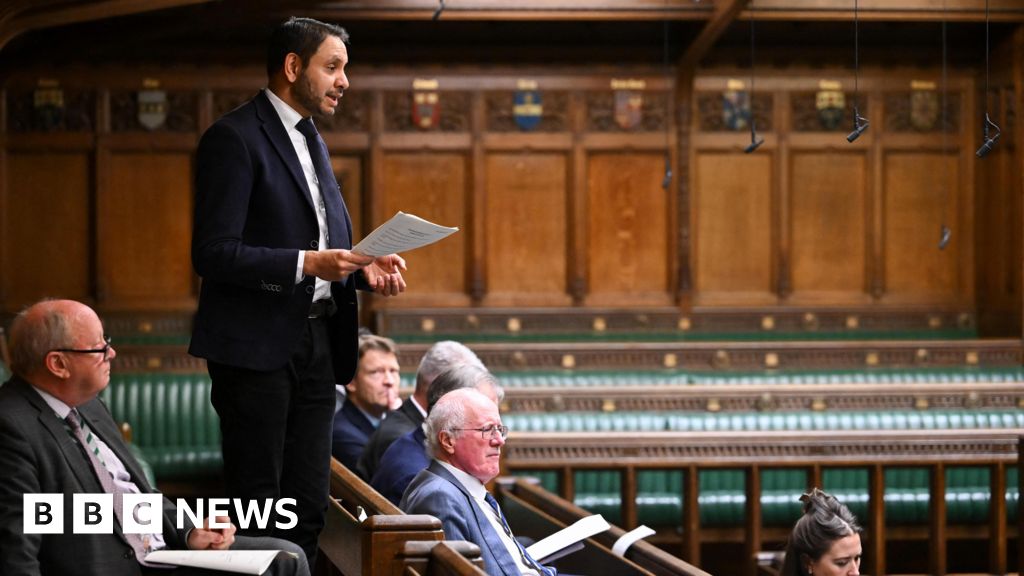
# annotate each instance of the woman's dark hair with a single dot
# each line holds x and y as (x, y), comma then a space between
(825, 520)
(302, 36)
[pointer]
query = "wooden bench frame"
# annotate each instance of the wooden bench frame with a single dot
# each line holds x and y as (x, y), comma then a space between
(754, 451)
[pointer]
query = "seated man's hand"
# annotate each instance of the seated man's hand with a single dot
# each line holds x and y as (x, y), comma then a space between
(206, 538)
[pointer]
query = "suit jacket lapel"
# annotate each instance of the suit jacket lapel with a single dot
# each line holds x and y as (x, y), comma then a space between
(74, 456)
(101, 425)
(491, 538)
(278, 137)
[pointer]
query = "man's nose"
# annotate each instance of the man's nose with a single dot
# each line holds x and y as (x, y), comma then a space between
(342, 81)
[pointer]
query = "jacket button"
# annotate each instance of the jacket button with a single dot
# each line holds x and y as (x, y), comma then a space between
(314, 244)
(310, 289)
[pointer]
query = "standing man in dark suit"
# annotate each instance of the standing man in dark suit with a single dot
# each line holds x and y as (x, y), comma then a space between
(439, 358)
(61, 361)
(277, 318)
(465, 435)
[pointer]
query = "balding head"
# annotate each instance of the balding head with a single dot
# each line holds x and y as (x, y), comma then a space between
(54, 346)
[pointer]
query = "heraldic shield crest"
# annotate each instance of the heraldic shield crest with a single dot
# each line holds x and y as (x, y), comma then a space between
(831, 106)
(736, 109)
(426, 107)
(152, 108)
(48, 105)
(629, 106)
(527, 108)
(924, 109)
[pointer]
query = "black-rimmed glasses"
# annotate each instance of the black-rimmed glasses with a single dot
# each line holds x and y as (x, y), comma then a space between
(489, 432)
(105, 350)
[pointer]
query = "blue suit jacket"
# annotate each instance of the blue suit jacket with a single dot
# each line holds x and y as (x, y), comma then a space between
(399, 422)
(402, 461)
(253, 214)
(351, 433)
(436, 492)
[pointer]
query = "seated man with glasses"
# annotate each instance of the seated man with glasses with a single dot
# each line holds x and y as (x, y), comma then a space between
(404, 459)
(465, 436)
(59, 438)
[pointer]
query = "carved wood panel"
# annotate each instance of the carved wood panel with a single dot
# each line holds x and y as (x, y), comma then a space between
(432, 186)
(500, 116)
(711, 115)
(526, 224)
(77, 112)
(454, 114)
(181, 112)
(808, 118)
(655, 113)
(47, 229)
(144, 244)
(628, 227)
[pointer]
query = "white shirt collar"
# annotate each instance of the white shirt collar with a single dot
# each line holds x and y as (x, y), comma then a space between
(472, 485)
(58, 406)
(289, 116)
(417, 406)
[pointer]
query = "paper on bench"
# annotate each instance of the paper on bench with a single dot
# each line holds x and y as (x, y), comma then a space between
(239, 561)
(403, 232)
(627, 539)
(581, 529)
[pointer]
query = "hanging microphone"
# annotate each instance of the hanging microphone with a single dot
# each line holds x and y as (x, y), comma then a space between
(440, 8)
(860, 124)
(945, 234)
(987, 145)
(754, 142)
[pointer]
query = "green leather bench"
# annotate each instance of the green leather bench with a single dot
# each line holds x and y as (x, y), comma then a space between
(722, 498)
(761, 421)
(174, 426)
(579, 379)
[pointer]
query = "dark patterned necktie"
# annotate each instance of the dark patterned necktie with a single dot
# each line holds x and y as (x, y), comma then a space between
(321, 165)
(527, 559)
(88, 442)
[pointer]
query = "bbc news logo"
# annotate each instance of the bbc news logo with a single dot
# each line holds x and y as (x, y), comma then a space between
(143, 513)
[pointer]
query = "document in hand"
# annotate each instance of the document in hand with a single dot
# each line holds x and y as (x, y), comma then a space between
(580, 530)
(239, 561)
(403, 232)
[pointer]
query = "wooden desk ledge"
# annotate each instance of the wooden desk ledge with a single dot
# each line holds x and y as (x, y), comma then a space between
(446, 558)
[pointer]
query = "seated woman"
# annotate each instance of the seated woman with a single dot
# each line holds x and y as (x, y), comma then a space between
(825, 540)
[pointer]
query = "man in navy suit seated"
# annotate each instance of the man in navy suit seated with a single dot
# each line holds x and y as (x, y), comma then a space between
(368, 399)
(465, 435)
(404, 459)
(442, 356)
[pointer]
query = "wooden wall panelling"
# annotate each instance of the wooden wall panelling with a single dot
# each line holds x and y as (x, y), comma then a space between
(526, 231)
(47, 232)
(916, 270)
(782, 149)
(828, 225)
(578, 214)
(348, 170)
(627, 233)
(732, 220)
(144, 228)
(431, 185)
(478, 263)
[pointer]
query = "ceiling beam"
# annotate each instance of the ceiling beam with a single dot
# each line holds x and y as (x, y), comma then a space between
(724, 14)
(35, 15)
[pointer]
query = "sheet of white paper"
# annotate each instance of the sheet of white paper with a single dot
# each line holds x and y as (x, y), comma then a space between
(239, 561)
(403, 232)
(627, 539)
(583, 528)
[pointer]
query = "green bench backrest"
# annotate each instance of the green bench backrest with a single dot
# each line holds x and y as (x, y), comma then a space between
(722, 498)
(173, 423)
(762, 421)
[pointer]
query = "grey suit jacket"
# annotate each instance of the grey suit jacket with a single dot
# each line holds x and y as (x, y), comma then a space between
(38, 455)
(436, 492)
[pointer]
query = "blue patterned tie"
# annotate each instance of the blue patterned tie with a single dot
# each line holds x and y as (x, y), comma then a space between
(527, 559)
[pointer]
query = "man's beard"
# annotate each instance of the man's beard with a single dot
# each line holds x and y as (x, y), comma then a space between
(305, 95)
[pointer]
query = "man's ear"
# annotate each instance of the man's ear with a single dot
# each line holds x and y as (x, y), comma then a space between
(447, 441)
(292, 67)
(57, 365)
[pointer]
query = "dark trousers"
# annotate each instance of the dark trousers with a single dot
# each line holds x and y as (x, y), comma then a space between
(276, 434)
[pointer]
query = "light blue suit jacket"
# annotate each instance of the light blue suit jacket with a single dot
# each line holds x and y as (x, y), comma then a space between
(437, 492)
